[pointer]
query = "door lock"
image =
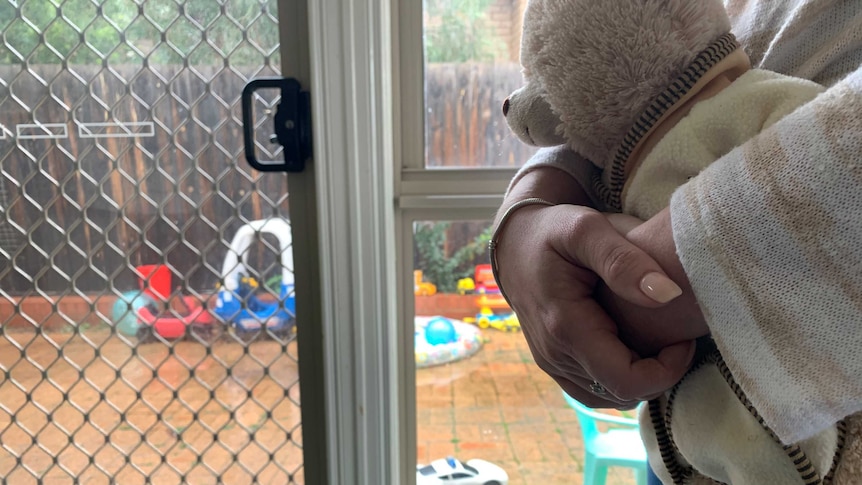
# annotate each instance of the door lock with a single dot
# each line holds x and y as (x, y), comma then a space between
(292, 125)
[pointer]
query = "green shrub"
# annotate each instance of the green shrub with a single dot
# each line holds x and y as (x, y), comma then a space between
(440, 268)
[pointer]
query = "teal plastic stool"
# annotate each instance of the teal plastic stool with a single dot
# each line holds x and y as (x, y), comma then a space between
(620, 445)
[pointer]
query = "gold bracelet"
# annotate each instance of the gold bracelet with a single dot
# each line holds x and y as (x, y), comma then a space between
(494, 242)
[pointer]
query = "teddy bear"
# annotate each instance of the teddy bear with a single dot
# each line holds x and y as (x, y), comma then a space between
(649, 93)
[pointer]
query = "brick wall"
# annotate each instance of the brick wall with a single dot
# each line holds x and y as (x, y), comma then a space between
(62, 312)
(506, 16)
(54, 314)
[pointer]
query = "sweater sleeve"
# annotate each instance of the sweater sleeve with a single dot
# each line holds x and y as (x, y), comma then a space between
(561, 158)
(771, 239)
(752, 103)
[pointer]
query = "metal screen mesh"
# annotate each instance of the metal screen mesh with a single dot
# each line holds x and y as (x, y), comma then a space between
(146, 322)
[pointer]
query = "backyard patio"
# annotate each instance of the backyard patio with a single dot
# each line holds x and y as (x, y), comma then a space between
(148, 413)
(499, 406)
(184, 413)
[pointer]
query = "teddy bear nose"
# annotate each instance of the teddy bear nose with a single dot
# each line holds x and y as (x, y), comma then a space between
(506, 107)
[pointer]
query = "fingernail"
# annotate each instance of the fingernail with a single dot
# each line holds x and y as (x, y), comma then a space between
(659, 287)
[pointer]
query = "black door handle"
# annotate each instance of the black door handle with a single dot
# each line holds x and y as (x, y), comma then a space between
(292, 124)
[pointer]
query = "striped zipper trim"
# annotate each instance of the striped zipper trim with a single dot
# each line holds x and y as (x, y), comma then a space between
(611, 193)
(681, 474)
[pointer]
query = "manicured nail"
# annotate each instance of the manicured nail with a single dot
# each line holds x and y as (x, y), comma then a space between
(659, 287)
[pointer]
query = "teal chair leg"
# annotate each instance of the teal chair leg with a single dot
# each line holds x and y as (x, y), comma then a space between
(619, 448)
(589, 470)
(594, 473)
(640, 476)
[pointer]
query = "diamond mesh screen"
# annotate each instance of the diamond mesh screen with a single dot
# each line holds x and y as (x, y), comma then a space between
(146, 292)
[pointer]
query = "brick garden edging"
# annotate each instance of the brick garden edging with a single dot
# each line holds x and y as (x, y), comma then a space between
(447, 305)
(63, 310)
(58, 311)
(67, 309)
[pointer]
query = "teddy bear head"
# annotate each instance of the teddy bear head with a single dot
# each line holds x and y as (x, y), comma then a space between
(593, 66)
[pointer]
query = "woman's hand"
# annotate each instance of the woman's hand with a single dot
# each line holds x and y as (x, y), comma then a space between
(550, 261)
(648, 330)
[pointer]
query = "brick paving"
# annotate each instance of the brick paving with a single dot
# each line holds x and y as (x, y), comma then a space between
(179, 416)
(166, 416)
(499, 406)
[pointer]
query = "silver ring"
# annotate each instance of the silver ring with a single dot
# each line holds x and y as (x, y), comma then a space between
(597, 388)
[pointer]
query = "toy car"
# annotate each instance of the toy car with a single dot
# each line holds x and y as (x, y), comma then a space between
(487, 318)
(505, 323)
(153, 310)
(466, 286)
(245, 309)
(484, 279)
(452, 471)
(422, 288)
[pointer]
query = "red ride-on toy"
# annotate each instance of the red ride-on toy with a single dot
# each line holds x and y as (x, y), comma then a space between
(484, 279)
(143, 313)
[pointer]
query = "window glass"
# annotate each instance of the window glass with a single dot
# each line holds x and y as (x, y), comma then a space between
(479, 393)
(471, 66)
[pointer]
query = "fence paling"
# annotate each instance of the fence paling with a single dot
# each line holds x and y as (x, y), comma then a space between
(464, 127)
(135, 176)
(464, 124)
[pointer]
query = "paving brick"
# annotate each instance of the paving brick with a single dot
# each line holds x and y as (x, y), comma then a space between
(521, 423)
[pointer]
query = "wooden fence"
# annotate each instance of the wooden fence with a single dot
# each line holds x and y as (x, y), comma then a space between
(464, 123)
(82, 212)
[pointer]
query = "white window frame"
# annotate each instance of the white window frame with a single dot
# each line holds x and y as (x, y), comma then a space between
(352, 171)
(367, 88)
(423, 194)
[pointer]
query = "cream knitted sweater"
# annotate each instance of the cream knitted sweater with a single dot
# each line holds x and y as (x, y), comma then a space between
(770, 235)
(713, 433)
(714, 127)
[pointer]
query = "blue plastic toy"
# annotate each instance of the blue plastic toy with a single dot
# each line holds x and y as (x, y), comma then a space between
(125, 311)
(244, 307)
(441, 340)
(440, 331)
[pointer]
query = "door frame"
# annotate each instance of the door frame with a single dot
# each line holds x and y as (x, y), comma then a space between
(296, 63)
(349, 186)
(367, 78)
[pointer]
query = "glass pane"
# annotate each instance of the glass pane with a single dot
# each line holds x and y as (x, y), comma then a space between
(479, 394)
(471, 66)
(146, 314)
